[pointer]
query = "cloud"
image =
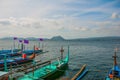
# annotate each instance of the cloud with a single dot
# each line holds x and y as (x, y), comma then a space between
(111, 31)
(29, 26)
(115, 15)
(75, 18)
(67, 27)
(81, 29)
(5, 23)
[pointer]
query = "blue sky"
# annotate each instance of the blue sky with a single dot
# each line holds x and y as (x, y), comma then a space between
(68, 18)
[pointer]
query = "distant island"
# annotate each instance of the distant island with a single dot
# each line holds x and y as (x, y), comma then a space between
(56, 38)
(60, 38)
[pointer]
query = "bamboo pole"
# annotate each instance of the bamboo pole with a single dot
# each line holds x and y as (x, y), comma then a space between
(19, 70)
(11, 71)
(33, 70)
(79, 72)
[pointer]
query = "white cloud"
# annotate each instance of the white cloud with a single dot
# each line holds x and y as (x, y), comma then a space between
(28, 27)
(111, 31)
(81, 29)
(115, 15)
(67, 27)
(4, 23)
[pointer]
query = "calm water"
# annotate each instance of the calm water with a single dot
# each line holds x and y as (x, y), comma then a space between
(96, 54)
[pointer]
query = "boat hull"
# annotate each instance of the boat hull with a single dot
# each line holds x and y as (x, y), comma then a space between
(16, 54)
(49, 72)
(15, 63)
(57, 73)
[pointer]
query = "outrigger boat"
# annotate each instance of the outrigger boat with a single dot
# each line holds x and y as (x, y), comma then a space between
(114, 73)
(18, 51)
(16, 61)
(48, 71)
(9, 51)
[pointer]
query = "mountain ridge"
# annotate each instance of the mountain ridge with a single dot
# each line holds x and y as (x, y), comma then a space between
(60, 38)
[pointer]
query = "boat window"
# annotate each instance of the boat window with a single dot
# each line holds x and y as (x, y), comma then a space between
(116, 73)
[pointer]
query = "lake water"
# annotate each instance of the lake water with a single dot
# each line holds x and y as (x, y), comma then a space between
(96, 54)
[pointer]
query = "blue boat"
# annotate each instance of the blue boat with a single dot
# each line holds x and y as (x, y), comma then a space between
(19, 53)
(29, 52)
(9, 51)
(114, 73)
(15, 61)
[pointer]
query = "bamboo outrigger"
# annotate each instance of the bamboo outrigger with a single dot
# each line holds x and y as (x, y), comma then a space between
(4, 64)
(80, 73)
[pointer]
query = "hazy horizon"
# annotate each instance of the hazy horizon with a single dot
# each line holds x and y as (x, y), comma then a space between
(62, 37)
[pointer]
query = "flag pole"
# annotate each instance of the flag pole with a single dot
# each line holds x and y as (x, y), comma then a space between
(15, 38)
(14, 44)
(40, 39)
(68, 52)
(39, 44)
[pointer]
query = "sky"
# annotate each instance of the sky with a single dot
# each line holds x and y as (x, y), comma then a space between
(67, 18)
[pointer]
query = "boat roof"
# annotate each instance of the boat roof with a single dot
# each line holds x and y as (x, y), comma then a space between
(116, 68)
(2, 73)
